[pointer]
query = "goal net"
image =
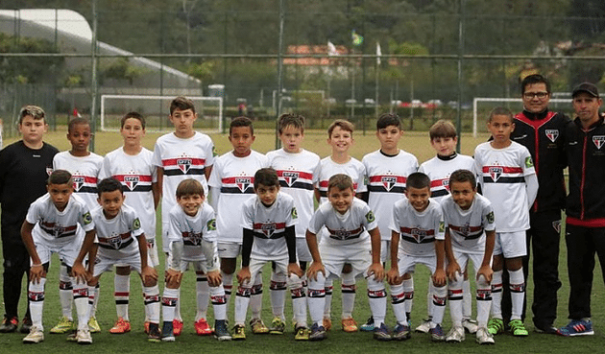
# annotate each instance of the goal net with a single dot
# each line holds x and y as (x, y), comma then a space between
(156, 109)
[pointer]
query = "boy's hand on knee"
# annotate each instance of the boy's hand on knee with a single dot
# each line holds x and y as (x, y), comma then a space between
(439, 277)
(315, 268)
(295, 268)
(243, 275)
(393, 276)
(173, 277)
(377, 270)
(79, 272)
(214, 278)
(487, 272)
(36, 272)
(149, 276)
(453, 269)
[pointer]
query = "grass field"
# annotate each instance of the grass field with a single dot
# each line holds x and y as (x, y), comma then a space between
(338, 341)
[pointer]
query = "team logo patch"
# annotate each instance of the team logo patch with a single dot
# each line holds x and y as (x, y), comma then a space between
(268, 229)
(59, 230)
(370, 217)
(419, 235)
(290, 178)
(136, 224)
(490, 217)
(115, 241)
(87, 218)
(529, 163)
(211, 225)
(495, 173)
(184, 164)
(557, 225)
(78, 182)
(294, 213)
(441, 227)
(465, 230)
(131, 182)
(389, 182)
(243, 183)
(49, 170)
(214, 153)
(598, 141)
(552, 134)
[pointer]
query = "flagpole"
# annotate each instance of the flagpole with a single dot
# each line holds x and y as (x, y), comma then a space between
(378, 54)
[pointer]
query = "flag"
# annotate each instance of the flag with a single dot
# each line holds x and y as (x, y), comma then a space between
(357, 39)
(378, 53)
(332, 49)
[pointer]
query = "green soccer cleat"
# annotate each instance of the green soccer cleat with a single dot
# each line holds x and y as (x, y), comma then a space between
(495, 326)
(65, 325)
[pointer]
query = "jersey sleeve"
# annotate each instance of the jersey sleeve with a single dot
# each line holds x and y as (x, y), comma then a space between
(209, 152)
(439, 225)
(247, 221)
(33, 213)
(317, 221)
(361, 180)
(157, 155)
(135, 224)
(394, 225)
(488, 219)
(291, 214)
(527, 163)
(105, 171)
(369, 219)
(85, 219)
(174, 227)
(209, 229)
(215, 175)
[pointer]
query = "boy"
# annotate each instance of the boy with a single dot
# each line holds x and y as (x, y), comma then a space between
(298, 171)
(84, 167)
(443, 140)
(29, 159)
(179, 155)
(386, 171)
(469, 235)
(269, 236)
(508, 179)
(232, 184)
(340, 138)
(51, 227)
(193, 240)
(418, 222)
(121, 241)
(350, 224)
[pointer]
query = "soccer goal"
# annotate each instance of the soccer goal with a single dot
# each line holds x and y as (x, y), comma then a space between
(515, 105)
(156, 109)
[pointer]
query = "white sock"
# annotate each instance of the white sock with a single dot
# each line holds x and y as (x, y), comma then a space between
(242, 299)
(219, 302)
(177, 308)
(467, 300)
(299, 301)
(456, 303)
(398, 302)
(66, 294)
(348, 288)
(329, 288)
(517, 292)
(429, 299)
(256, 297)
(36, 302)
(169, 300)
(484, 302)
(278, 294)
(122, 295)
(95, 300)
(497, 294)
(92, 294)
(80, 296)
(152, 302)
(228, 286)
(316, 297)
(408, 290)
(378, 301)
(439, 300)
(203, 295)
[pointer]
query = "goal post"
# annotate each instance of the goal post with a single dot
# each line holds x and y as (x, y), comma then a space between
(156, 109)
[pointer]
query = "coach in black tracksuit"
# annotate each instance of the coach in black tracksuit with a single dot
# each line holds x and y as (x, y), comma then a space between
(541, 132)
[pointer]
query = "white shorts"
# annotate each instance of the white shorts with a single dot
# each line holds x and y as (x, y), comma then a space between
(198, 266)
(385, 250)
(105, 264)
(463, 257)
(407, 263)
(358, 255)
(256, 266)
(229, 249)
(302, 250)
(67, 251)
(510, 244)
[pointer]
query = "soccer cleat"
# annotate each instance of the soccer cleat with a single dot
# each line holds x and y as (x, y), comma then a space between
(470, 325)
(483, 336)
(549, 329)
(495, 326)
(368, 326)
(154, 336)
(239, 332)
(455, 335)
(177, 327)
(83, 336)
(317, 332)
(517, 328)
(9, 326)
(401, 332)
(258, 327)
(146, 327)
(277, 326)
(26, 325)
(437, 334)
(221, 332)
(349, 325)
(167, 333)
(202, 328)
(73, 336)
(120, 327)
(35, 336)
(327, 323)
(576, 328)
(302, 333)
(382, 333)
(65, 325)
(424, 327)
(93, 325)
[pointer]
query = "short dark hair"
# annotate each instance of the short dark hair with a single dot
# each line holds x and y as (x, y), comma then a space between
(108, 185)
(60, 177)
(418, 180)
(340, 181)
(33, 111)
(500, 111)
(534, 79)
(267, 177)
(75, 121)
(290, 119)
(461, 176)
(442, 129)
(241, 122)
(343, 124)
(136, 115)
(182, 103)
(189, 186)
(387, 119)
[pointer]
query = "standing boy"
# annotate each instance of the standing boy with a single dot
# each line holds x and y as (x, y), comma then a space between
(27, 162)
(508, 179)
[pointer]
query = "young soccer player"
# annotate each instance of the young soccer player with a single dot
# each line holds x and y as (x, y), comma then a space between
(508, 179)
(443, 140)
(26, 161)
(417, 234)
(132, 166)
(84, 167)
(340, 138)
(121, 241)
(50, 227)
(354, 238)
(298, 171)
(193, 240)
(387, 170)
(469, 235)
(269, 236)
(232, 184)
(179, 155)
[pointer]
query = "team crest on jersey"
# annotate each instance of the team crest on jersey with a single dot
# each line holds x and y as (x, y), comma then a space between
(389, 182)
(243, 183)
(49, 170)
(184, 164)
(211, 225)
(552, 134)
(115, 241)
(557, 225)
(59, 230)
(290, 178)
(131, 182)
(419, 235)
(598, 141)
(78, 182)
(495, 173)
(465, 230)
(268, 229)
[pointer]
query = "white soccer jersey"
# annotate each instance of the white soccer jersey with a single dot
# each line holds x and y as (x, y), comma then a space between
(56, 226)
(192, 230)
(84, 173)
(418, 230)
(344, 229)
(328, 168)
(386, 177)
(234, 177)
(117, 236)
(467, 227)
(440, 169)
(137, 173)
(269, 226)
(298, 174)
(502, 175)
